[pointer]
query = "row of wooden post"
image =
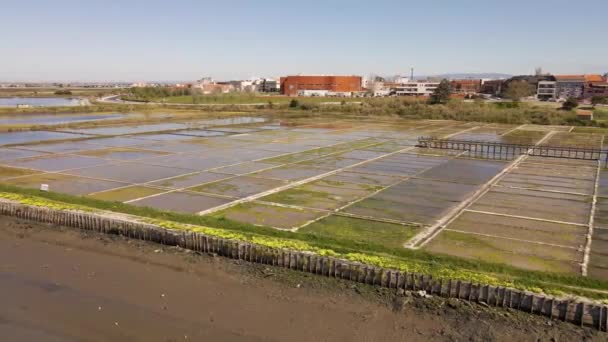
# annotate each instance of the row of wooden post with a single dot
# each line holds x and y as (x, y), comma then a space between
(582, 313)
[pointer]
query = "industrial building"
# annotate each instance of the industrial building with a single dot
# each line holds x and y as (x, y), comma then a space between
(320, 85)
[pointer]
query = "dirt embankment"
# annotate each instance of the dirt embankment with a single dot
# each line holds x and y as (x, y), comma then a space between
(63, 285)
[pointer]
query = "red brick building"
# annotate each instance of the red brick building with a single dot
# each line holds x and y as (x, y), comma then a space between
(465, 86)
(293, 85)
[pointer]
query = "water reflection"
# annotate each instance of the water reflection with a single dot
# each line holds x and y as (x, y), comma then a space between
(41, 102)
(55, 120)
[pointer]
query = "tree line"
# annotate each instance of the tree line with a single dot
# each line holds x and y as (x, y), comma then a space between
(152, 93)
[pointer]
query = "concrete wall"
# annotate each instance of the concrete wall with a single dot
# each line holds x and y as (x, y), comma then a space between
(582, 313)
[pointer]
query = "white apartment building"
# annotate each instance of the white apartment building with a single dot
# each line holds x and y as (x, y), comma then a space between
(250, 85)
(324, 93)
(415, 88)
(257, 85)
(269, 85)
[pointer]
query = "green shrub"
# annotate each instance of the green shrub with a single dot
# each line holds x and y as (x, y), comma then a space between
(570, 104)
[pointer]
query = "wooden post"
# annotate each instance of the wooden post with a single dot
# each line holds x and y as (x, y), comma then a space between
(599, 319)
(400, 280)
(604, 319)
(449, 289)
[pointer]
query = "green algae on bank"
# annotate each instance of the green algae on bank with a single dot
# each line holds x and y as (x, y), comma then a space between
(126, 194)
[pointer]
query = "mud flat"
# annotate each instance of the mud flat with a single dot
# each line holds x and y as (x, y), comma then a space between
(65, 285)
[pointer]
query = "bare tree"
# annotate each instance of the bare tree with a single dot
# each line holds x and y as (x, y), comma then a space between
(518, 89)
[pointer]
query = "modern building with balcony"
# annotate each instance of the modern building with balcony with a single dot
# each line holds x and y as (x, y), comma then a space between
(546, 91)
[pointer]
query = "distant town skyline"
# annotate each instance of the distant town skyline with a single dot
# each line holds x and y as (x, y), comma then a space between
(72, 41)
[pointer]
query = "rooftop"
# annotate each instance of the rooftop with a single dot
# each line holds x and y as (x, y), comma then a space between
(594, 78)
(570, 77)
(320, 75)
(583, 112)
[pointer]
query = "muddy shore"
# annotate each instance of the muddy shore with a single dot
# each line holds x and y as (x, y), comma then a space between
(59, 284)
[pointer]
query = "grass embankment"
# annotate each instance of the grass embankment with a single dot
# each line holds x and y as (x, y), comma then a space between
(479, 111)
(101, 107)
(57, 92)
(394, 108)
(235, 99)
(94, 108)
(600, 114)
(403, 107)
(142, 115)
(439, 266)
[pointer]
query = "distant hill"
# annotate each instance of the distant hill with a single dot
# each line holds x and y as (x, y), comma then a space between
(491, 75)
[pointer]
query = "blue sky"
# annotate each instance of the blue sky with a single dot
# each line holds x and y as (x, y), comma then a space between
(68, 40)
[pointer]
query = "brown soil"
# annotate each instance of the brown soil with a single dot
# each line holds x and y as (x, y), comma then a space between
(60, 284)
